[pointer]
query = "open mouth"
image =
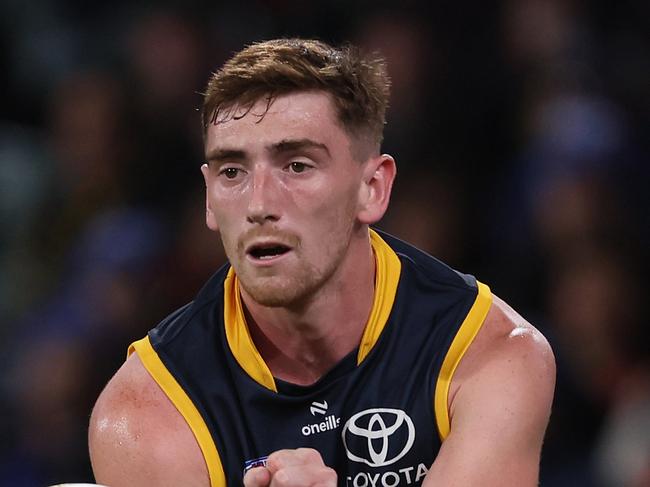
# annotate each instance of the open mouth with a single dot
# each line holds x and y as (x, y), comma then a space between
(268, 251)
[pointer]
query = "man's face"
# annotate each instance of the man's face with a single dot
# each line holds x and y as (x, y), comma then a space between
(284, 192)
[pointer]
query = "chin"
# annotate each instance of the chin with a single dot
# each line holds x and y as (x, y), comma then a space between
(274, 294)
(272, 300)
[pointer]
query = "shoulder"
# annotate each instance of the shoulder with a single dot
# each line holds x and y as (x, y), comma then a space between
(507, 349)
(509, 369)
(499, 405)
(137, 437)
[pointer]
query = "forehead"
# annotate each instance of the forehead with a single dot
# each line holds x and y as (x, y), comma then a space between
(302, 115)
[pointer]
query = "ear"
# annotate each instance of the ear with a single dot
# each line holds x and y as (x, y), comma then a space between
(374, 193)
(210, 219)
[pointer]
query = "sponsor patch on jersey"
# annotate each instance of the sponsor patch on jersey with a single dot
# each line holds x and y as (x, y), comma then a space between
(255, 462)
(379, 436)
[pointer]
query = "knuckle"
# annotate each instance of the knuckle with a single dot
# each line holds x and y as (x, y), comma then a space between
(308, 454)
(330, 475)
(327, 478)
(281, 477)
(274, 464)
(277, 459)
(250, 480)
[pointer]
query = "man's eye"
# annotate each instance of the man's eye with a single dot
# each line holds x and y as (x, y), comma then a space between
(298, 167)
(230, 172)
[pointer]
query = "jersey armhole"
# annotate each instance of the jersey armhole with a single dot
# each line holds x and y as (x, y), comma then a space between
(461, 342)
(185, 406)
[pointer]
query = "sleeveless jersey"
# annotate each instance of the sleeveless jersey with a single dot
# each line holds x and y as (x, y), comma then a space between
(378, 417)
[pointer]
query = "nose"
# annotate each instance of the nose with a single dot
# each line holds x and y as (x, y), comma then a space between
(262, 205)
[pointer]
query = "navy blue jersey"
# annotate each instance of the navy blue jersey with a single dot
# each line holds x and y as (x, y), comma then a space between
(378, 417)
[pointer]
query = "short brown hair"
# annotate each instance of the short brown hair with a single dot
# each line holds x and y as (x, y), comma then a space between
(358, 84)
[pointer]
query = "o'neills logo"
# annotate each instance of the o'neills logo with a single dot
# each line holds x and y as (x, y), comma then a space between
(329, 423)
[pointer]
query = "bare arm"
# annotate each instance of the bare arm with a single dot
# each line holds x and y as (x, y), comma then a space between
(500, 402)
(138, 438)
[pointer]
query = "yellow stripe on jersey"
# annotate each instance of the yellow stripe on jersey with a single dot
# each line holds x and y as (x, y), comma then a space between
(239, 338)
(463, 339)
(387, 271)
(185, 406)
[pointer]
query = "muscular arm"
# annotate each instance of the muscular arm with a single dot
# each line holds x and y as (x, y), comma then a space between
(500, 401)
(138, 438)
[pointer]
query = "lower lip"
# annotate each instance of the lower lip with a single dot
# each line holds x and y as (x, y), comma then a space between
(269, 261)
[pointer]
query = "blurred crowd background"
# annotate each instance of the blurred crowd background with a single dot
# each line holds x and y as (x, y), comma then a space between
(521, 131)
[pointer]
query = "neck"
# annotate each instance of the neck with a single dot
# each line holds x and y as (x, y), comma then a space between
(300, 344)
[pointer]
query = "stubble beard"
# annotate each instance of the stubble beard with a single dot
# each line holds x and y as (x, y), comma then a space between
(294, 288)
(281, 291)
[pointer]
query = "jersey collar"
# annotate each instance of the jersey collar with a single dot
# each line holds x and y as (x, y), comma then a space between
(388, 268)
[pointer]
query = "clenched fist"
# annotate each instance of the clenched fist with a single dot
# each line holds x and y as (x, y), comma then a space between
(303, 467)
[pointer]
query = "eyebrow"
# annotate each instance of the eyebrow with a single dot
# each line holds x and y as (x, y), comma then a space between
(290, 145)
(225, 154)
(287, 145)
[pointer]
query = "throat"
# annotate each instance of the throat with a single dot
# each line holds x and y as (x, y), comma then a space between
(291, 385)
(300, 344)
(303, 366)
(293, 358)
(305, 378)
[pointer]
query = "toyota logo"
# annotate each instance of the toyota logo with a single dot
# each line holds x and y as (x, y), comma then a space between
(377, 426)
